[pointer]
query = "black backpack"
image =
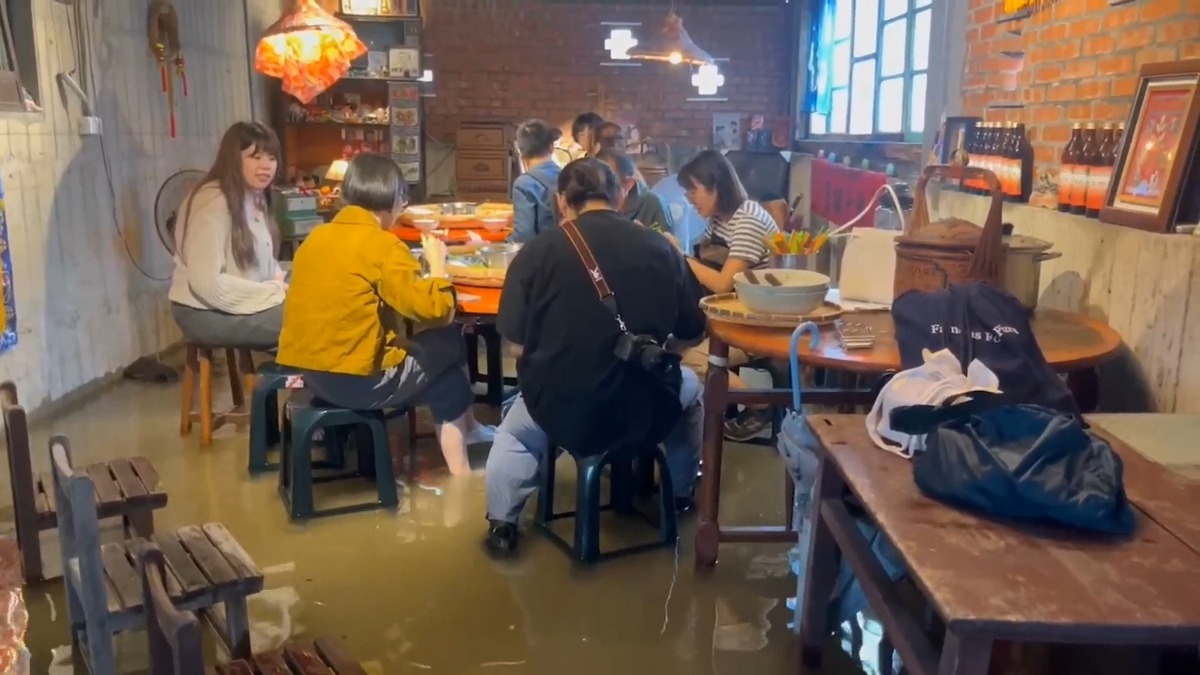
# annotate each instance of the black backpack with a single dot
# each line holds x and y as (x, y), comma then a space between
(978, 321)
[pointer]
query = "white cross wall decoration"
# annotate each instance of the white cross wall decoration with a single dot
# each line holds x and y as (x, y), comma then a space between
(708, 79)
(619, 42)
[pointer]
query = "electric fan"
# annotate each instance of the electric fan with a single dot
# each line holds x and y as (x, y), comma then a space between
(169, 203)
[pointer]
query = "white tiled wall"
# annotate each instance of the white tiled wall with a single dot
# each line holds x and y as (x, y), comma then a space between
(83, 309)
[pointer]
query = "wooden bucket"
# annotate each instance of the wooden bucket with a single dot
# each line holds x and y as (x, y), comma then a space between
(932, 256)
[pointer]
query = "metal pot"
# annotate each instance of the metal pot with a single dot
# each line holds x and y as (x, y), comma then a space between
(1023, 267)
(499, 256)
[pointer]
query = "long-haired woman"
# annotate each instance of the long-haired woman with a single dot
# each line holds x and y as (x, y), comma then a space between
(227, 288)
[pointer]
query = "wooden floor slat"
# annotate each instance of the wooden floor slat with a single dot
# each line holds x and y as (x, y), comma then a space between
(107, 492)
(235, 555)
(127, 481)
(337, 657)
(271, 663)
(121, 573)
(304, 660)
(191, 580)
(207, 557)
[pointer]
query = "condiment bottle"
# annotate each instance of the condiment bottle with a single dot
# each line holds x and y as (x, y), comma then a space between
(1089, 156)
(1068, 175)
(1023, 162)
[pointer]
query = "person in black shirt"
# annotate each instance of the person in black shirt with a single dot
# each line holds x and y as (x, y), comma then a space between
(575, 393)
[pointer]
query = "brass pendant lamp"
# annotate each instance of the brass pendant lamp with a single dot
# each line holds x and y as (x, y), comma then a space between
(672, 45)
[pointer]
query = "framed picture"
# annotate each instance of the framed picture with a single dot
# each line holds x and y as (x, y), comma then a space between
(1157, 151)
(382, 8)
(404, 62)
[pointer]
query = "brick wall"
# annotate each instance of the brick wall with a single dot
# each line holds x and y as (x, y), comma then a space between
(1075, 61)
(542, 60)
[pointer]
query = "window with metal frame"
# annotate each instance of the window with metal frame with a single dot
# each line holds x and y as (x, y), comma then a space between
(15, 19)
(879, 70)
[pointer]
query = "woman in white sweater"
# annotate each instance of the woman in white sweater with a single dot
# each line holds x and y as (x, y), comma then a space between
(227, 289)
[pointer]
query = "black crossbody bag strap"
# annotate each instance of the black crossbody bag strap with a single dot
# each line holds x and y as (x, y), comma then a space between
(607, 297)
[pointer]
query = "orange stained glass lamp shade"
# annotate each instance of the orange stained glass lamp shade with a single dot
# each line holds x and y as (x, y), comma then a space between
(308, 49)
(672, 45)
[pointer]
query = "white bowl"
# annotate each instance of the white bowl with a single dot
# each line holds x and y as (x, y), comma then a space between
(426, 224)
(494, 224)
(800, 292)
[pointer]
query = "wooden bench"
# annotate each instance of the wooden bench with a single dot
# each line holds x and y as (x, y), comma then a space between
(174, 637)
(988, 581)
(125, 488)
(206, 568)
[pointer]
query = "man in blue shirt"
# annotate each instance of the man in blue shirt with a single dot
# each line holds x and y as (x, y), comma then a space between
(534, 192)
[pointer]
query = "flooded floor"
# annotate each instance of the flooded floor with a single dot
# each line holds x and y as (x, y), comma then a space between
(413, 591)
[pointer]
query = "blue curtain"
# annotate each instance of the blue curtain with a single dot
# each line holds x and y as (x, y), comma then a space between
(817, 98)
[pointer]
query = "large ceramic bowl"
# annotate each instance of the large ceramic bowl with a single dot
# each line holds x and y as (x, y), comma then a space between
(799, 292)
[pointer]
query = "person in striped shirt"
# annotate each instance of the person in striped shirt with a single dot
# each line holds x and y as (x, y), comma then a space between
(736, 240)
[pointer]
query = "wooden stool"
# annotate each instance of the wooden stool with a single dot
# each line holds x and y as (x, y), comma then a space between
(241, 379)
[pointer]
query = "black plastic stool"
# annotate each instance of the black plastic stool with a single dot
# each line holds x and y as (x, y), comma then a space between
(622, 488)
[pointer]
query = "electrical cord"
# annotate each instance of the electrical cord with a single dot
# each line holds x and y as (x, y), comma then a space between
(86, 30)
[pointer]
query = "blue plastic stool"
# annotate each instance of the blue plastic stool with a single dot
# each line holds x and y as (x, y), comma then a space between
(304, 417)
(269, 380)
(625, 467)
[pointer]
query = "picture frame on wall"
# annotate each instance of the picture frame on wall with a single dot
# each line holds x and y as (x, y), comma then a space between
(1157, 152)
(404, 63)
(380, 8)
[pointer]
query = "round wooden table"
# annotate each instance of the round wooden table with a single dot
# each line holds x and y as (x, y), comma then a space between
(412, 235)
(1070, 342)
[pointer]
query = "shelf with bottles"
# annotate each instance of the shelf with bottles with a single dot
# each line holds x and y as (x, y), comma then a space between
(338, 108)
(393, 42)
(1088, 159)
(378, 10)
(1002, 148)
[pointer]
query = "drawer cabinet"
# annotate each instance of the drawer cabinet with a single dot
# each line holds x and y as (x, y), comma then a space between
(484, 161)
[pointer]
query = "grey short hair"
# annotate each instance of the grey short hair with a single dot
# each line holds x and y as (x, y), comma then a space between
(374, 182)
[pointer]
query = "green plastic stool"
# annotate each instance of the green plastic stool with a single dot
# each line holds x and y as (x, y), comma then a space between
(623, 484)
(304, 416)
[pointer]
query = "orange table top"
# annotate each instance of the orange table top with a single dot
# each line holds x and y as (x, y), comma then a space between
(488, 303)
(1069, 341)
(451, 236)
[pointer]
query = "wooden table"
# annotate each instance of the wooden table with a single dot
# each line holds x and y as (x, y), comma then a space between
(1069, 342)
(479, 318)
(991, 581)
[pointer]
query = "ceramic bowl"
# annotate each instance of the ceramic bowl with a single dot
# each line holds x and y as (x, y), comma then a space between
(799, 292)
(425, 224)
(494, 224)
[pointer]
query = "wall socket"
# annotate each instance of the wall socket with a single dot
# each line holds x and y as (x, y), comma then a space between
(90, 126)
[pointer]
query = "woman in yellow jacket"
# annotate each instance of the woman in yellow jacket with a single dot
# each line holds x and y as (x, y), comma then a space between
(344, 277)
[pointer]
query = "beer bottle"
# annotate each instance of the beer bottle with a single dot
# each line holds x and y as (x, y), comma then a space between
(1068, 175)
(1012, 163)
(989, 156)
(1023, 162)
(1102, 172)
(1089, 154)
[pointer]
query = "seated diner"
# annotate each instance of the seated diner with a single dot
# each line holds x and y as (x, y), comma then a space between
(348, 276)
(734, 241)
(576, 393)
(637, 203)
(227, 288)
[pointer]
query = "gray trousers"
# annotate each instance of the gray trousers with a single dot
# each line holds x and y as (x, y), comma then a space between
(432, 374)
(217, 329)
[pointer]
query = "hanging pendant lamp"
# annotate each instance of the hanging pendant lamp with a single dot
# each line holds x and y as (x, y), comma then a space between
(672, 45)
(308, 49)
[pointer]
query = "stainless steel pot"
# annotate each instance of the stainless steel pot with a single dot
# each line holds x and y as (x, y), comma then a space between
(459, 208)
(499, 256)
(1023, 267)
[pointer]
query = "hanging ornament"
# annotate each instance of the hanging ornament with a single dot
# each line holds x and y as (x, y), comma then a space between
(308, 49)
(162, 27)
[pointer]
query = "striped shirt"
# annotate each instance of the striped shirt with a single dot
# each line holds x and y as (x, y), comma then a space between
(745, 233)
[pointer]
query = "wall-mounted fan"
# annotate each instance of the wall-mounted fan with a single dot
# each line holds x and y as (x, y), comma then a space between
(168, 204)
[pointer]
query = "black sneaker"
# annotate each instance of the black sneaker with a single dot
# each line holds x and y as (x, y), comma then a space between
(502, 539)
(748, 425)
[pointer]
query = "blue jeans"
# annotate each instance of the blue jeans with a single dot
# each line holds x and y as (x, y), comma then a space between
(521, 446)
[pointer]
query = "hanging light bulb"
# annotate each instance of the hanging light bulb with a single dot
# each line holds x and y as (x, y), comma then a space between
(308, 49)
(672, 45)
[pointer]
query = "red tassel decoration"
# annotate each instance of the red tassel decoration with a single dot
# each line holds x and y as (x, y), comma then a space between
(163, 72)
(179, 63)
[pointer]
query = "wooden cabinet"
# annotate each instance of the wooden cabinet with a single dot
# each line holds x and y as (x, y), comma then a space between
(484, 161)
